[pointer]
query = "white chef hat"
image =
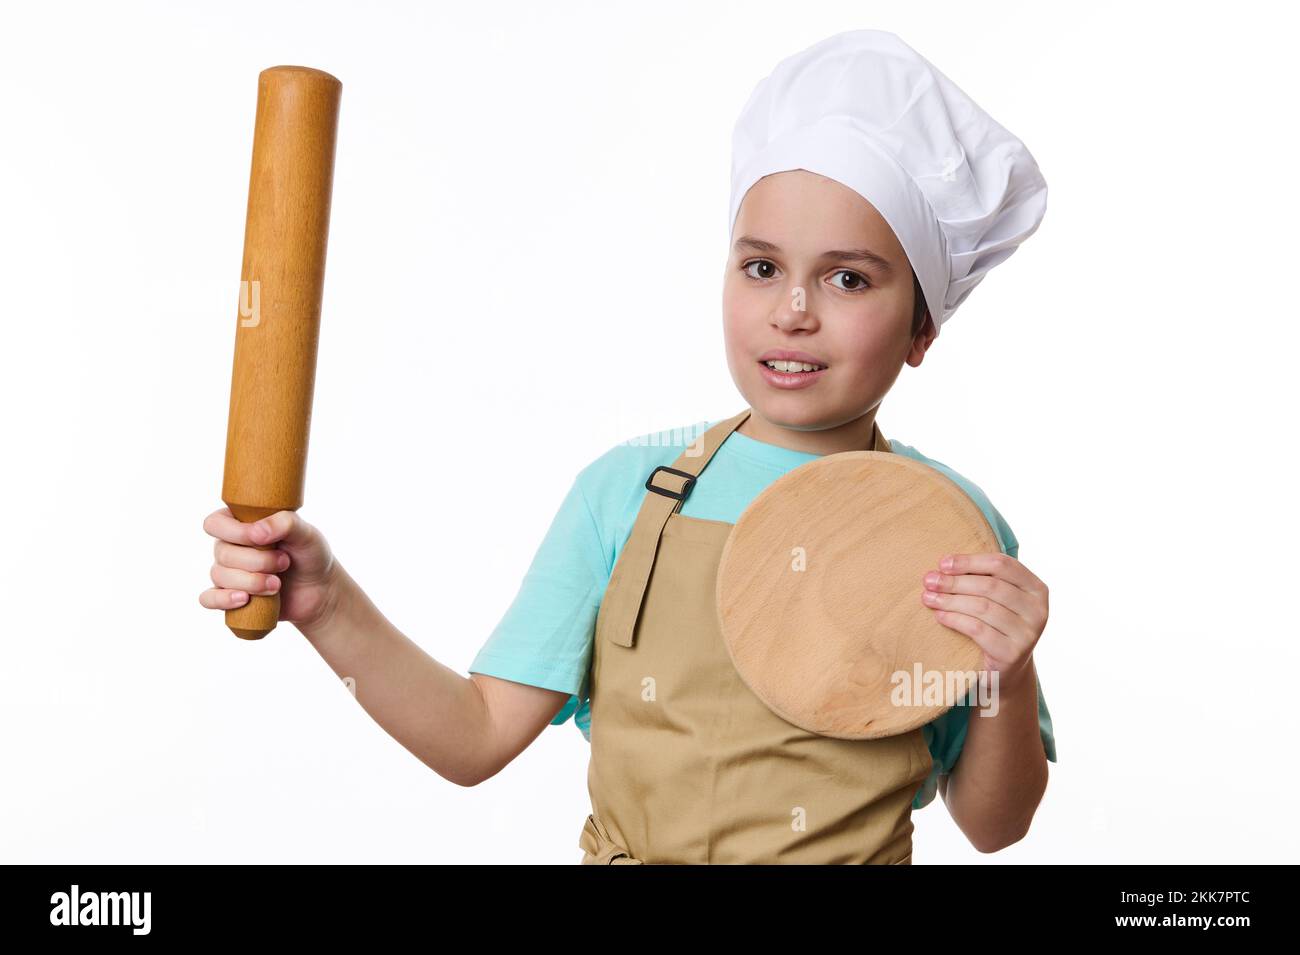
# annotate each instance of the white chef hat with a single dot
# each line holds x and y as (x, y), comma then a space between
(865, 109)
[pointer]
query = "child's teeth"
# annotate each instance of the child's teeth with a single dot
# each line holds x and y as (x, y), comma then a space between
(791, 366)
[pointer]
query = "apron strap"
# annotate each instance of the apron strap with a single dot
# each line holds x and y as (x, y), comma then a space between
(879, 442)
(621, 606)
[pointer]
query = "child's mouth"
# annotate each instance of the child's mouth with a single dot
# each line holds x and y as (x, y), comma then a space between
(790, 374)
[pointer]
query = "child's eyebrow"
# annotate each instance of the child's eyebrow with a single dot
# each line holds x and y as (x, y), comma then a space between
(839, 255)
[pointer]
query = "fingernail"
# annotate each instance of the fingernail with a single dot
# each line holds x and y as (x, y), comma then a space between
(239, 597)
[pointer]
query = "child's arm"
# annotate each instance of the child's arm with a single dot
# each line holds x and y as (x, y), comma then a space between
(999, 779)
(466, 729)
(997, 783)
(463, 728)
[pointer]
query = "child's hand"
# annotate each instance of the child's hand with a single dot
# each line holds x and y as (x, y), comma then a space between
(994, 600)
(303, 560)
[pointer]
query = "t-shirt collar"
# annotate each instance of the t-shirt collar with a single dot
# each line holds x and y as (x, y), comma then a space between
(784, 459)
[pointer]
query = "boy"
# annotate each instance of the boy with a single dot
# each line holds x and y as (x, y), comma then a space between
(869, 197)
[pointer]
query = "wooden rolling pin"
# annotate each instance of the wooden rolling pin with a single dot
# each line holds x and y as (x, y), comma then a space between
(278, 328)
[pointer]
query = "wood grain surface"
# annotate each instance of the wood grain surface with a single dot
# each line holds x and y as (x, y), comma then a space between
(819, 592)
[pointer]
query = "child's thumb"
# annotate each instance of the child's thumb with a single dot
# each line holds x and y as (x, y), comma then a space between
(283, 526)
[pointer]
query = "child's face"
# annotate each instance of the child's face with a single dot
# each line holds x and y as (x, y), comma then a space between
(793, 291)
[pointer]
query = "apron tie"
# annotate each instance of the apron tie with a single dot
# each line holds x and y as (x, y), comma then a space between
(600, 848)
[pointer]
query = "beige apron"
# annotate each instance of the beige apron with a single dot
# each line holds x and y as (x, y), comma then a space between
(688, 766)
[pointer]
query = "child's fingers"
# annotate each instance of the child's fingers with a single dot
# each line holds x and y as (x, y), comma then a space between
(284, 526)
(218, 598)
(236, 579)
(250, 558)
(1001, 593)
(222, 525)
(1001, 620)
(995, 644)
(994, 564)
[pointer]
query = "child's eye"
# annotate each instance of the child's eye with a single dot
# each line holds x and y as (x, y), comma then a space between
(856, 277)
(745, 268)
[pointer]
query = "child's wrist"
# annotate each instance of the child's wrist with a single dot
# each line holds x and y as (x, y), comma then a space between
(338, 597)
(1018, 682)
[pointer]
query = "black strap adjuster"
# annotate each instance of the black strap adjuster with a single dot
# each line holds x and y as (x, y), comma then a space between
(678, 495)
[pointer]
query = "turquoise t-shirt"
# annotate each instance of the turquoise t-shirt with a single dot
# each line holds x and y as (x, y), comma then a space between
(545, 638)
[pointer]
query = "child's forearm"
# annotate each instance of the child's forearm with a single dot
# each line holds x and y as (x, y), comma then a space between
(994, 790)
(437, 714)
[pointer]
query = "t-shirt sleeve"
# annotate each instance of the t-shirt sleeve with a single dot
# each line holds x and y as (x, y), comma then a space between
(946, 735)
(545, 638)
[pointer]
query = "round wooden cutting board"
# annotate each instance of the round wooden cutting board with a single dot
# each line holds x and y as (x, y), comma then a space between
(819, 594)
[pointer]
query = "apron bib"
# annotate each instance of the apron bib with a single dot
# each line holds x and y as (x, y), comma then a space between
(688, 765)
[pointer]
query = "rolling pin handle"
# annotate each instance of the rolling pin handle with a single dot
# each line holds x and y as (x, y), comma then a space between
(258, 617)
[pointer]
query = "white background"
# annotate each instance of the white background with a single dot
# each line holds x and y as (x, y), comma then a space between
(525, 263)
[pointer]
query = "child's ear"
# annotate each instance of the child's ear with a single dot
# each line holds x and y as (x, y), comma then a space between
(922, 340)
